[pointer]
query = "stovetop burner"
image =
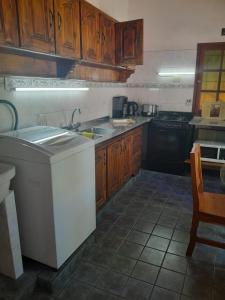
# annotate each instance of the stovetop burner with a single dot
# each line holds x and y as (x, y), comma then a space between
(174, 116)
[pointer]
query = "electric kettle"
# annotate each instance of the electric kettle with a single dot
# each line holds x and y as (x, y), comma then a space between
(132, 108)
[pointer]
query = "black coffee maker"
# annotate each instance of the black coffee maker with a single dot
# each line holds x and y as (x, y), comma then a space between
(119, 107)
(132, 108)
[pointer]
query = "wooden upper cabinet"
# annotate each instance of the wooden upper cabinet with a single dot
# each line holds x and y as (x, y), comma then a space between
(8, 23)
(108, 39)
(67, 28)
(36, 24)
(90, 32)
(129, 43)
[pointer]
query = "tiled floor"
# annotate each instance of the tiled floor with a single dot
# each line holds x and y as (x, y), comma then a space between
(138, 249)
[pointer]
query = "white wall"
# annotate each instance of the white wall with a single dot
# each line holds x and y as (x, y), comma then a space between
(179, 24)
(118, 9)
(172, 30)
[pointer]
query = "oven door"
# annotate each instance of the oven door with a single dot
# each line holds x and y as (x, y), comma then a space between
(167, 148)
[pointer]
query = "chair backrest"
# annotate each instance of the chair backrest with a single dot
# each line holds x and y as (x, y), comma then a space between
(196, 174)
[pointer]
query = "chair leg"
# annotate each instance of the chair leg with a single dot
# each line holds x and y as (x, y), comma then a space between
(193, 233)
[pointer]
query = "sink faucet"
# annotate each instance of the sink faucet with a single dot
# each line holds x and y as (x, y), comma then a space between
(72, 125)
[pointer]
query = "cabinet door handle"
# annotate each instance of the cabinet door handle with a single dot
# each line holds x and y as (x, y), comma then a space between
(51, 16)
(59, 21)
(98, 37)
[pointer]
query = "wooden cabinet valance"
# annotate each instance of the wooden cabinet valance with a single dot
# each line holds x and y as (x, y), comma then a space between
(73, 31)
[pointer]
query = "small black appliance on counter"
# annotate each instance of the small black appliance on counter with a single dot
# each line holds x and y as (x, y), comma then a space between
(132, 108)
(119, 107)
(169, 142)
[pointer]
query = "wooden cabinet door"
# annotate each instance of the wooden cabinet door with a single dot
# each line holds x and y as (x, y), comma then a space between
(114, 154)
(126, 162)
(36, 23)
(8, 23)
(67, 28)
(100, 170)
(129, 43)
(107, 27)
(90, 32)
(137, 150)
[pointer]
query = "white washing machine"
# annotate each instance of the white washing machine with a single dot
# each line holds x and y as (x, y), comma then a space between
(54, 189)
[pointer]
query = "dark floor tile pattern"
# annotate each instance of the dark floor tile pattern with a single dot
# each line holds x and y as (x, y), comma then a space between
(138, 249)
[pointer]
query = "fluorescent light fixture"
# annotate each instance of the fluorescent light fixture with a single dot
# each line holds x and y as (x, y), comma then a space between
(153, 89)
(51, 89)
(176, 73)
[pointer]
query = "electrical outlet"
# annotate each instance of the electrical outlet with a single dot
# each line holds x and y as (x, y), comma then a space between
(188, 102)
(223, 31)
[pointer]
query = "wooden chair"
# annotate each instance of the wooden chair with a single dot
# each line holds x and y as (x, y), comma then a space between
(207, 207)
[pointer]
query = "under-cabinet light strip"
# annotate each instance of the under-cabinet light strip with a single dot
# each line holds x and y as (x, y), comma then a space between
(162, 74)
(50, 89)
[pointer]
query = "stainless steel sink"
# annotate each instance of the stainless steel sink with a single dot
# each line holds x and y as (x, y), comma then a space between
(96, 132)
(99, 130)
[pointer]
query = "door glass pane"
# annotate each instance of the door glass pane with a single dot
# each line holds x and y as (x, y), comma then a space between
(212, 59)
(222, 97)
(210, 80)
(207, 97)
(222, 84)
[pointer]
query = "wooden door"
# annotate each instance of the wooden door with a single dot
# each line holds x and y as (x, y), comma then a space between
(129, 43)
(126, 162)
(100, 171)
(67, 28)
(8, 23)
(209, 76)
(90, 32)
(36, 23)
(107, 27)
(114, 154)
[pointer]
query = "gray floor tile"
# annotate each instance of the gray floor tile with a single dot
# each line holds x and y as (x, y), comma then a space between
(157, 242)
(178, 248)
(162, 294)
(145, 272)
(152, 256)
(163, 231)
(175, 263)
(123, 264)
(170, 280)
(138, 237)
(112, 282)
(137, 290)
(143, 226)
(130, 249)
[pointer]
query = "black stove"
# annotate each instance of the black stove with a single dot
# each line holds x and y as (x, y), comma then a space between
(169, 142)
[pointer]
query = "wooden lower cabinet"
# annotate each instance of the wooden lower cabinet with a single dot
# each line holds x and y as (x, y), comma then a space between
(126, 161)
(100, 176)
(137, 150)
(114, 156)
(116, 162)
